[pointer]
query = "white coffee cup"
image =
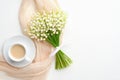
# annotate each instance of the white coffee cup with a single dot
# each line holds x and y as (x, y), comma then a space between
(13, 58)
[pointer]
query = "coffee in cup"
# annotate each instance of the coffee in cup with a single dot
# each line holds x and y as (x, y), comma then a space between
(17, 52)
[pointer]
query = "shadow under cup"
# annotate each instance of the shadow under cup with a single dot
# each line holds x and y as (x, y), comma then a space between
(17, 52)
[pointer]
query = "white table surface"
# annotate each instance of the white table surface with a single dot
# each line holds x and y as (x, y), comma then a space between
(93, 34)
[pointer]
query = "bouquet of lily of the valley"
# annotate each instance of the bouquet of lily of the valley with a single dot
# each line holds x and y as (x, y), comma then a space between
(48, 26)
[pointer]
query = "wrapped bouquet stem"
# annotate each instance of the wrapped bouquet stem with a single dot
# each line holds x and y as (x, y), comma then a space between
(47, 25)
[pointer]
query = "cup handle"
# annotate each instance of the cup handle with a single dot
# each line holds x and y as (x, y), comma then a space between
(27, 59)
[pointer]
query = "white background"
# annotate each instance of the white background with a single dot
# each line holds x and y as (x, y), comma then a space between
(92, 32)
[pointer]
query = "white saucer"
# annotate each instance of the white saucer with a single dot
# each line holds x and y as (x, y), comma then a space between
(30, 50)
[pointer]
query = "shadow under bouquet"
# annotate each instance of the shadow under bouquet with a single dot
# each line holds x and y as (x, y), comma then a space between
(48, 26)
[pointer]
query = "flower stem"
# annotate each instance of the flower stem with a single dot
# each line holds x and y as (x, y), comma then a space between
(62, 60)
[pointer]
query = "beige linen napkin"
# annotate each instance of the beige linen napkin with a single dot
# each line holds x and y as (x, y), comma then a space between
(39, 68)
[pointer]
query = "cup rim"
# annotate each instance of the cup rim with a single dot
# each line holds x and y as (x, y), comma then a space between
(14, 59)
